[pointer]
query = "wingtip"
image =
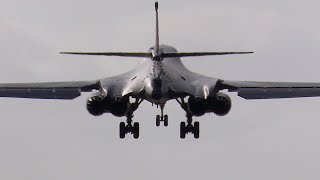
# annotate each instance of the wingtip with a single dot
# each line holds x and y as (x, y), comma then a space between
(67, 53)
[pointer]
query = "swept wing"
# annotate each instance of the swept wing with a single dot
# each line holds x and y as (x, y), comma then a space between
(47, 90)
(271, 90)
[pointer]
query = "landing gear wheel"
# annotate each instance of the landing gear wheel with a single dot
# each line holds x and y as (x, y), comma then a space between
(135, 130)
(189, 127)
(182, 130)
(129, 126)
(165, 120)
(158, 120)
(122, 130)
(162, 118)
(196, 130)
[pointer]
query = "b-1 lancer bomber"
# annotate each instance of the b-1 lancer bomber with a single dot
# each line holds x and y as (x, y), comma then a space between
(160, 77)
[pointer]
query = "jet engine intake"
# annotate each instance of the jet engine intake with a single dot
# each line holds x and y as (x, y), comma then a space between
(197, 106)
(220, 104)
(98, 105)
(120, 108)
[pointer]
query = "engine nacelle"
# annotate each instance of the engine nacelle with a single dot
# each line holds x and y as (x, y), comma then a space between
(120, 108)
(197, 107)
(98, 104)
(220, 104)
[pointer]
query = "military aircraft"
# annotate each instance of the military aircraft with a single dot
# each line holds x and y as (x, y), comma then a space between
(160, 77)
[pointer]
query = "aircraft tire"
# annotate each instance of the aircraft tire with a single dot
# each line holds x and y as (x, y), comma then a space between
(182, 130)
(136, 130)
(122, 130)
(196, 130)
(165, 120)
(158, 120)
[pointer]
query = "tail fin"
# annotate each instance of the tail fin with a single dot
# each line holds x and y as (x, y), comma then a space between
(156, 54)
(157, 28)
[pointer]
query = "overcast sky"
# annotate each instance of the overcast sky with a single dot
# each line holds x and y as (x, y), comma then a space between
(258, 140)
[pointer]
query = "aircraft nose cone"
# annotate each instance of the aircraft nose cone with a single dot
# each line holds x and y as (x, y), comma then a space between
(156, 93)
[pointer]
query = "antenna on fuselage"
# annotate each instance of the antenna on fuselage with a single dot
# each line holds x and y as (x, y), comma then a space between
(157, 28)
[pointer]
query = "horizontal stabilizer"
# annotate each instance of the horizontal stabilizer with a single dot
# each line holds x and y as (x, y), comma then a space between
(191, 54)
(150, 55)
(122, 54)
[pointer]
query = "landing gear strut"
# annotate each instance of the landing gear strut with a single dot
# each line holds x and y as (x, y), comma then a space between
(162, 118)
(188, 127)
(130, 127)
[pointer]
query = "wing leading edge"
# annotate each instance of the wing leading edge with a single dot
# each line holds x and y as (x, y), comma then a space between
(271, 90)
(47, 90)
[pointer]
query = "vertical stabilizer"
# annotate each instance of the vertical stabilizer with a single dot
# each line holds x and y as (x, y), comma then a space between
(157, 29)
(155, 53)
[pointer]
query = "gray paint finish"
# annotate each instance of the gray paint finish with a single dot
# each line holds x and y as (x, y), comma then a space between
(174, 77)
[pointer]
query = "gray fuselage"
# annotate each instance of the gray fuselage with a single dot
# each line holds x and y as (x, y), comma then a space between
(158, 81)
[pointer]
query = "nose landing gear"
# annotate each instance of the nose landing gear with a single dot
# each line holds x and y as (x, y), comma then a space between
(162, 118)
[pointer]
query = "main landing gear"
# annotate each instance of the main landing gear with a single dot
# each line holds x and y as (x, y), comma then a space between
(130, 127)
(188, 127)
(133, 127)
(162, 118)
